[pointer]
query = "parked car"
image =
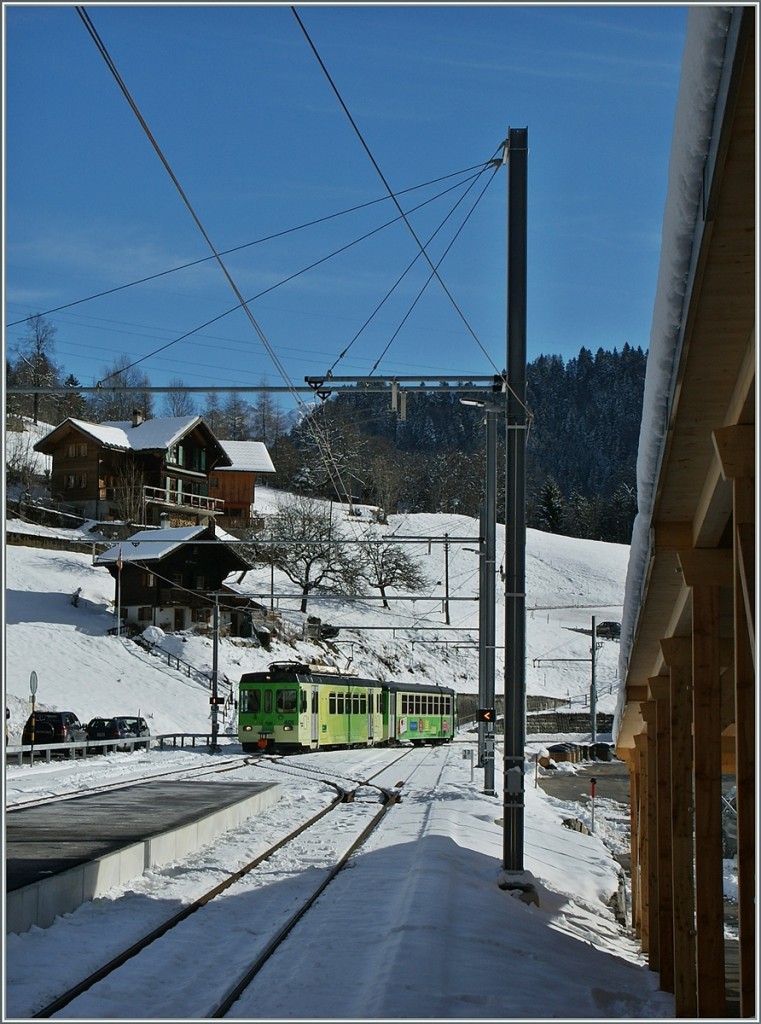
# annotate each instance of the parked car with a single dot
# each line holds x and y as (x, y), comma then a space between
(609, 630)
(54, 727)
(119, 727)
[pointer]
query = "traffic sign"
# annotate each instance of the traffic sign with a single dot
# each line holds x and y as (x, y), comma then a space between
(485, 715)
(33, 683)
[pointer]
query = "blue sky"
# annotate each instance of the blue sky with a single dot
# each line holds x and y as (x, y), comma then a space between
(251, 128)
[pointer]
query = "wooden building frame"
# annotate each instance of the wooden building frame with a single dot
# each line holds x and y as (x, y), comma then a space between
(687, 709)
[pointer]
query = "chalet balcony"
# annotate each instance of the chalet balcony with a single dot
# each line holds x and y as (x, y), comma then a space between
(184, 501)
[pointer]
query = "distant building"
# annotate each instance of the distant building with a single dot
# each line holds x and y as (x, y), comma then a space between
(136, 470)
(235, 485)
(169, 578)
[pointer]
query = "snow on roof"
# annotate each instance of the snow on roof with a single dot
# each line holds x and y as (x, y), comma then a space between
(150, 545)
(160, 433)
(702, 65)
(247, 456)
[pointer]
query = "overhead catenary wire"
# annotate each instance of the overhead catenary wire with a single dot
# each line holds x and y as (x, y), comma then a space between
(388, 188)
(330, 462)
(245, 245)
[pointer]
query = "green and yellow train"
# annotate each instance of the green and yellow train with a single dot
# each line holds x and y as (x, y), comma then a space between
(295, 706)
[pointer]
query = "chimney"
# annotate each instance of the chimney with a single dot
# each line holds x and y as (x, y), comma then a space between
(164, 521)
(137, 417)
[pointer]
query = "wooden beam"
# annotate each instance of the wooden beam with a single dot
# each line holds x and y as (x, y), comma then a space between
(672, 536)
(744, 498)
(709, 893)
(653, 894)
(677, 652)
(736, 449)
(662, 690)
(706, 567)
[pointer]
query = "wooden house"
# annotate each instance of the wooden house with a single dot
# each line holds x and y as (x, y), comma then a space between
(137, 469)
(234, 486)
(686, 717)
(173, 577)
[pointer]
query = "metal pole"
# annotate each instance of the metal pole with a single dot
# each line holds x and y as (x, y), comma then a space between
(214, 747)
(482, 637)
(488, 566)
(593, 688)
(515, 497)
(446, 578)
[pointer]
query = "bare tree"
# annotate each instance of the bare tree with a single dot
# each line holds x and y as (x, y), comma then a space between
(113, 402)
(35, 367)
(178, 403)
(389, 565)
(130, 482)
(307, 550)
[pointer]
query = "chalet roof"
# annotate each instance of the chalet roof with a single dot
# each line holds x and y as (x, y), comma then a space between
(120, 435)
(247, 456)
(156, 545)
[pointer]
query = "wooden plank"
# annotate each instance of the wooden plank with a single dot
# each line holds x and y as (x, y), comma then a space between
(736, 449)
(706, 567)
(745, 746)
(685, 979)
(664, 822)
(709, 894)
(651, 810)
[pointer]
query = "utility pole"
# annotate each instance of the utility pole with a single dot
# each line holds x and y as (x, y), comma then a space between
(446, 578)
(593, 687)
(516, 157)
(214, 745)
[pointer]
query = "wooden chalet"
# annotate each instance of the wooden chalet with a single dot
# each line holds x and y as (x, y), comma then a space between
(169, 578)
(135, 469)
(686, 718)
(234, 486)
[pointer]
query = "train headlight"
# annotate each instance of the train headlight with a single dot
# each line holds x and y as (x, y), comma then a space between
(287, 726)
(248, 728)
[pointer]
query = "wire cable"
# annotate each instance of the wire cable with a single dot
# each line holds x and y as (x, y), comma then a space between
(390, 191)
(245, 245)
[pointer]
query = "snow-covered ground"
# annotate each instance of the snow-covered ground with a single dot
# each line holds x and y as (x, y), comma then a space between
(478, 951)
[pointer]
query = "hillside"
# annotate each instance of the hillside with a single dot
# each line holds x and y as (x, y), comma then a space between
(81, 668)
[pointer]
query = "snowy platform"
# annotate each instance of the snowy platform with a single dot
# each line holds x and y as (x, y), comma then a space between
(60, 855)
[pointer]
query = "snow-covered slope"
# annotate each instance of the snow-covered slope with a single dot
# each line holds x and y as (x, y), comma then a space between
(83, 669)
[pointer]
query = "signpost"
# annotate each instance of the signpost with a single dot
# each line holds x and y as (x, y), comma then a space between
(33, 691)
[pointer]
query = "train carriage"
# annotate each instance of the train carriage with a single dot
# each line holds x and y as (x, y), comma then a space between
(295, 706)
(420, 713)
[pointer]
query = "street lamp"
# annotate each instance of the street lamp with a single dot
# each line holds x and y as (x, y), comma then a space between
(486, 611)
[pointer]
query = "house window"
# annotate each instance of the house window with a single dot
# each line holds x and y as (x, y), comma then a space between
(201, 614)
(82, 449)
(69, 482)
(148, 579)
(234, 513)
(200, 582)
(82, 479)
(213, 483)
(144, 614)
(177, 579)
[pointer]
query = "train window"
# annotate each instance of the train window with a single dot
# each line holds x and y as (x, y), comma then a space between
(250, 701)
(405, 704)
(315, 702)
(303, 702)
(340, 704)
(286, 701)
(354, 703)
(267, 702)
(363, 704)
(331, 703)
(371, 702)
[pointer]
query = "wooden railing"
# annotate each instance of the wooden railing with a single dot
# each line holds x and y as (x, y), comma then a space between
(183, 499)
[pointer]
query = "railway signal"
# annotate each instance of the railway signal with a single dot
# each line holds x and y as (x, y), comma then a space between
(486, 715)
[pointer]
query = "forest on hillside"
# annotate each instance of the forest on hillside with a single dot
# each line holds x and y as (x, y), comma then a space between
(584, 418)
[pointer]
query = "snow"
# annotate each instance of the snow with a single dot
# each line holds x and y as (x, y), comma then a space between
(702, 64)
(444, 939)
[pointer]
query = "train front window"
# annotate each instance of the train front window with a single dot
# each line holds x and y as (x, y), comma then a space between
(250, 701)
(286, 701)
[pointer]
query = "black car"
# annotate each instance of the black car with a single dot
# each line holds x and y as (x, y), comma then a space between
(53, 727)
(119, 727)
(609, 630)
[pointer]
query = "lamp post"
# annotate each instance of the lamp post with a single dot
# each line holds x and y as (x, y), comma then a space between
(486, 592)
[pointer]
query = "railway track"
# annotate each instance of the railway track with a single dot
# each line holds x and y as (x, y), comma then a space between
(292, 874)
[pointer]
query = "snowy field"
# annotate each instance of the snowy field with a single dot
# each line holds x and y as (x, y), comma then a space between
(485, 953)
